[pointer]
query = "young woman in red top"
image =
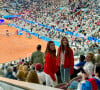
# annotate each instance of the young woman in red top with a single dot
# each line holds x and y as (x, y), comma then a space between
(65, 60)
(50, 67)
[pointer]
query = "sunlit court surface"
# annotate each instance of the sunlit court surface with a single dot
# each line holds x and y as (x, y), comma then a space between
(15, 46)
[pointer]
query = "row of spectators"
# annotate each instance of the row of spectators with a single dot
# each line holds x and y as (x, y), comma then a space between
(37, 68)
(55, 35)
(84, 23)
(76, 16)
(58, 16)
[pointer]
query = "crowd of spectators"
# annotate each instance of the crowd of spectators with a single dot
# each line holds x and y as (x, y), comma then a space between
(29, 70)
(76, 16)
(80, 17)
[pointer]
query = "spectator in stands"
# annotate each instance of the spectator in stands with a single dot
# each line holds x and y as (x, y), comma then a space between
(65, 60)
(1, 71)
(3, 66)
(81, 61)
(14, 72)
(20, 73)
(78, 66)
(23, 61)
(10, 73)
(25, 69)
(98, 57)
(5, 71)
(89, 65)
(32, 77)
(40, 73)
(92, 83)
(50, 67)
(20, 61)
(37, 56)
(20, 67)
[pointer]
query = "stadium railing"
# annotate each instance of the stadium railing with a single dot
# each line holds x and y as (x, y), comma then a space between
(10, 84)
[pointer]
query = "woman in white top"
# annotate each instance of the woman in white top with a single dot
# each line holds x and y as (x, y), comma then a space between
(89, 65)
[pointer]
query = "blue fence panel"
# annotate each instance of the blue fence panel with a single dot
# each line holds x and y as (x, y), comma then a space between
(98, 40)
(89, 38)
(40, 24)
(95, 39)
(35, 34)
(68, 32)
(20, 33)
(56, 43)
(1, 21)
(49, 27)
(45, 38)
(58, 29)
(10, 16)
(77, 35)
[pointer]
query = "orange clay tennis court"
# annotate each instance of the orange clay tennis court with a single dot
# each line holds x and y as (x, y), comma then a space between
(15, 46)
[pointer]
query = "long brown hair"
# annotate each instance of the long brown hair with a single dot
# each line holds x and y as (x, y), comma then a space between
(32, 77)
(62, 48)
(52, 52)
(20, 75)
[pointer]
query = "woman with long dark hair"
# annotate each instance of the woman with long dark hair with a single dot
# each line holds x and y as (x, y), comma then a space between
(50, 67)
(65, 60)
